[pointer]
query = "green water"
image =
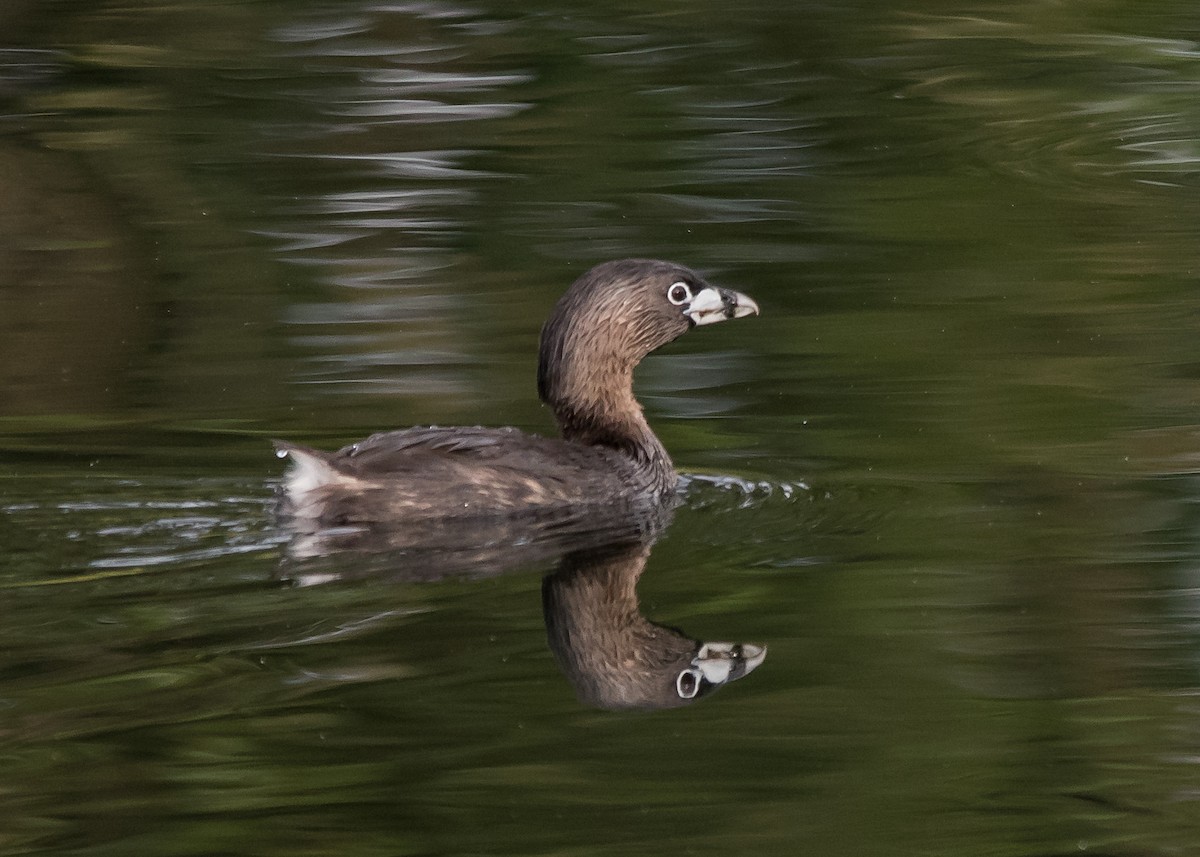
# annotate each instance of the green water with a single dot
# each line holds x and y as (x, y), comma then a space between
(961, 440)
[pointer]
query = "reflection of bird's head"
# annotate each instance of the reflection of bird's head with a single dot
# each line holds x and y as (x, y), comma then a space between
(716, 663)
(611, 654)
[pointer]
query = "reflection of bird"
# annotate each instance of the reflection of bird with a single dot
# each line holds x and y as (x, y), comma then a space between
(608, 460)
(612, 655)
(436, 548)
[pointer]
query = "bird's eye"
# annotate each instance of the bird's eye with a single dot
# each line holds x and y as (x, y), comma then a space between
(687, 685)
(679, 293)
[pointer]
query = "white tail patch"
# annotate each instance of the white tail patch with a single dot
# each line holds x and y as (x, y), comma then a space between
(310, 478)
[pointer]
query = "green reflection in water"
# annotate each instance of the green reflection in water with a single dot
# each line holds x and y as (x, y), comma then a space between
(973, 238)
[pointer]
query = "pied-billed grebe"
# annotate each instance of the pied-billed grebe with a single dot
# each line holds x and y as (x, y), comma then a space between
(608, 320)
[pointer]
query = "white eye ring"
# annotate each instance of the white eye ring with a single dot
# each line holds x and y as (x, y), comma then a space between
(687, 684)
(679, 293)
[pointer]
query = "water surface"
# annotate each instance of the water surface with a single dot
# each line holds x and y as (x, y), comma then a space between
(948, 477)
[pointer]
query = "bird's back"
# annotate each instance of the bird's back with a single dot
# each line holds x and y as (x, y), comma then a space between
(432, 473)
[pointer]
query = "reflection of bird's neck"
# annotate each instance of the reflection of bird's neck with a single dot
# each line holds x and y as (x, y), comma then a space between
(613, 656)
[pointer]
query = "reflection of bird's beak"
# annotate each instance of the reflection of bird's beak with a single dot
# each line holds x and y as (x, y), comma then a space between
(712, 304)
(722, 662)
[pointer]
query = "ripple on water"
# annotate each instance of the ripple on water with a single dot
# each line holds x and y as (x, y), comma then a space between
(1061, 108)
(722, 492)
(130, 526)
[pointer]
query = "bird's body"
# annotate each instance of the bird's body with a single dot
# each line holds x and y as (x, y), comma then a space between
(460, 472)
(607, 462)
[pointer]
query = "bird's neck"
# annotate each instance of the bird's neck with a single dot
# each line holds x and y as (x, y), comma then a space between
(594, 404)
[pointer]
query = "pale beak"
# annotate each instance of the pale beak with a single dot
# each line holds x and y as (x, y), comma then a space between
(712, 304)
(722, 662)
(716, 664)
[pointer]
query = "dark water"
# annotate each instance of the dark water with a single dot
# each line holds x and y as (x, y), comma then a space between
(949, 477)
